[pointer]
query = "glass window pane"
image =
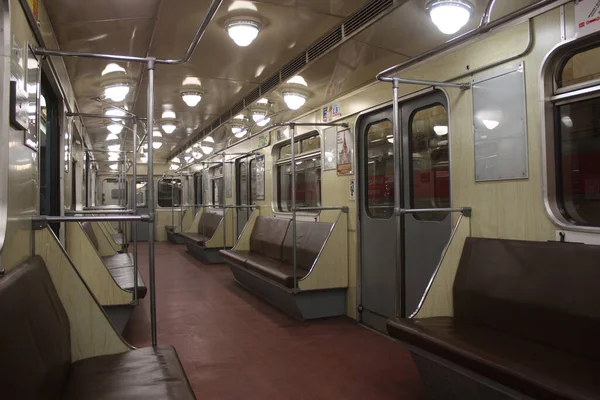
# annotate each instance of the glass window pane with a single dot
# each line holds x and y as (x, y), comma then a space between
(198, 188)
(253, 177)
(217, 192)
(243, 183)
(308, 184)
(286, 151)
(429, 151)
(169, 192)
(578, 171)
(311, 144)
(380, 170)
(141, 194)
(582, 67)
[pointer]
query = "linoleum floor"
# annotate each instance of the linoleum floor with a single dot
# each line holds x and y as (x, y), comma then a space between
(233, 345)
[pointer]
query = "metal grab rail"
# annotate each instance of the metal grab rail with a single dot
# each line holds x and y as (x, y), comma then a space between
(100, 208)
(344, 209)
(108, 218)
(464, 210)
(106, 212)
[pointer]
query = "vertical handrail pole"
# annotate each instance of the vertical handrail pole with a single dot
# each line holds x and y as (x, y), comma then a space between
(134, 208)
(398, 205)
(151, 205)
(173, 204)
(293, 159)
(224, 209)
(183, 202)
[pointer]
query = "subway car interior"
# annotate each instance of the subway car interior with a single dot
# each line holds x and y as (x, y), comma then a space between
(300, 199)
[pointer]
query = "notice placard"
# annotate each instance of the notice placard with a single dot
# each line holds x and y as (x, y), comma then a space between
(587, 17)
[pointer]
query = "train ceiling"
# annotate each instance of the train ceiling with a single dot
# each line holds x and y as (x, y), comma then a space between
(228, 73)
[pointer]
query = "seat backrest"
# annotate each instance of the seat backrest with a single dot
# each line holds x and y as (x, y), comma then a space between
(547, 292)
(35, 343)
(89, 231)
(310, 238)
(209, 222)
(267, 236)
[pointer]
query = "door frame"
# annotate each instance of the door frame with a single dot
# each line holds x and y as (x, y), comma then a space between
(402, 99)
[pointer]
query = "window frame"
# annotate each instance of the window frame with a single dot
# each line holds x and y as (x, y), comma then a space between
(173, 204)
(554, 97)
(277, 161)
(368, 209)
(213, 177)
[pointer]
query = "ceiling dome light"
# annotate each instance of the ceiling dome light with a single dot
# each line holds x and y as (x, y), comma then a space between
(156, 133)
(169, 127)
(114, 112)
(111, 136)
(390, 138)
(115, 128)
(449, 15)
(207, 145)
(144, 159)
(239, 132)
(263, 101)
(191, 98)
(114, 147)
(298, 80)
(176, 160)
(197, 154)
(169, 115)
(114, 167)
(294, 100)
(112, 67)
(243, 32)
(156, 145)
(490, 124)
(260, 118)
(440, 130)
(117, 92)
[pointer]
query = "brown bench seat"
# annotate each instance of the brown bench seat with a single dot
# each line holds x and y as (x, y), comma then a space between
(526, 316)
(208, 224)
(120, 266)
(271, 249)
(35, 351)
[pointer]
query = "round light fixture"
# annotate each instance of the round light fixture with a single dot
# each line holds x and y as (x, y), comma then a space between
(114, 147)
(440, 130)
(117, 92)
(156, 145)
(114, 167)
(490, 124)
(243, 32)
(239, 132)
(111, 136)
(294, 100)
(390, 138)
(144, 158)
(260, 118)
(115, 128)
(169, 121)
(176, 160)
(111, 68)
(169, 127)
(207, 145)
(156, 133)
(449, 15)
(191, 98)
(115, 112)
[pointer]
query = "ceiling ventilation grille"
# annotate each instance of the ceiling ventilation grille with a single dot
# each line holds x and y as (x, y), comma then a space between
(325, 44)
(365, 15)
(293, 66)
(354, 24)
(225, 116)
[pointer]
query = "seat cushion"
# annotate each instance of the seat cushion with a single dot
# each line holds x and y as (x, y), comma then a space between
(147, 373)
(236, 257)
(118, 260)
(209, 222)
(310, 239)
(194, 238)
(123, 276)
(35, 345)
(274, 269)
(528, 367)
(267, 236)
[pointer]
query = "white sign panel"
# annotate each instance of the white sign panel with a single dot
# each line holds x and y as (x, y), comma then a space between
(587, 17)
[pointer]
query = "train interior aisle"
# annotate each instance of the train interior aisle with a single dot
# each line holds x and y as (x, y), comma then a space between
(234, 345)
(299, 199)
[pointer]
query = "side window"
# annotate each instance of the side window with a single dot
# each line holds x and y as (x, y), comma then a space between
(577, 140)
(380, 170)
(253, 177)
(429, 161)
(198, 188)
(308, 174)
(242, 183)
(169, 192)
(217, 192)
(141, 194)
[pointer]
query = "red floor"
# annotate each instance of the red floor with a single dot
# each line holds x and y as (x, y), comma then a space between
(235, 346)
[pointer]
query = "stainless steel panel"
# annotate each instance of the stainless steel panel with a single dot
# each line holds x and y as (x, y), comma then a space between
(499, 117)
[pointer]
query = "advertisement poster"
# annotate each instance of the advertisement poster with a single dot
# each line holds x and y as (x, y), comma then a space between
(587, 17)
(34, 5)
(345, 152)
(264, 140)
(260, 178)
(332, 112)
(352, 189)
(329, 148)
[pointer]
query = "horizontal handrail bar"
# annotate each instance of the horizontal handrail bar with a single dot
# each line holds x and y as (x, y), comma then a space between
(107, 218)
(105, 208)
(463, 86)
(463, 210)
(344, 209)
(242, 207)
(106, 212)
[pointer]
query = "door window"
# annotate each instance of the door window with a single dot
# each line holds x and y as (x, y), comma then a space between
(429, 161)
(380, 170)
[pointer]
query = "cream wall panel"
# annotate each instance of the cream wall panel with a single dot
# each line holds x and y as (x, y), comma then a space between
(193, 227)
(106, 246)
(225, 232)
(164, 217)
(331, 267)
(92, 269)
(92, 333)
(243, 243)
